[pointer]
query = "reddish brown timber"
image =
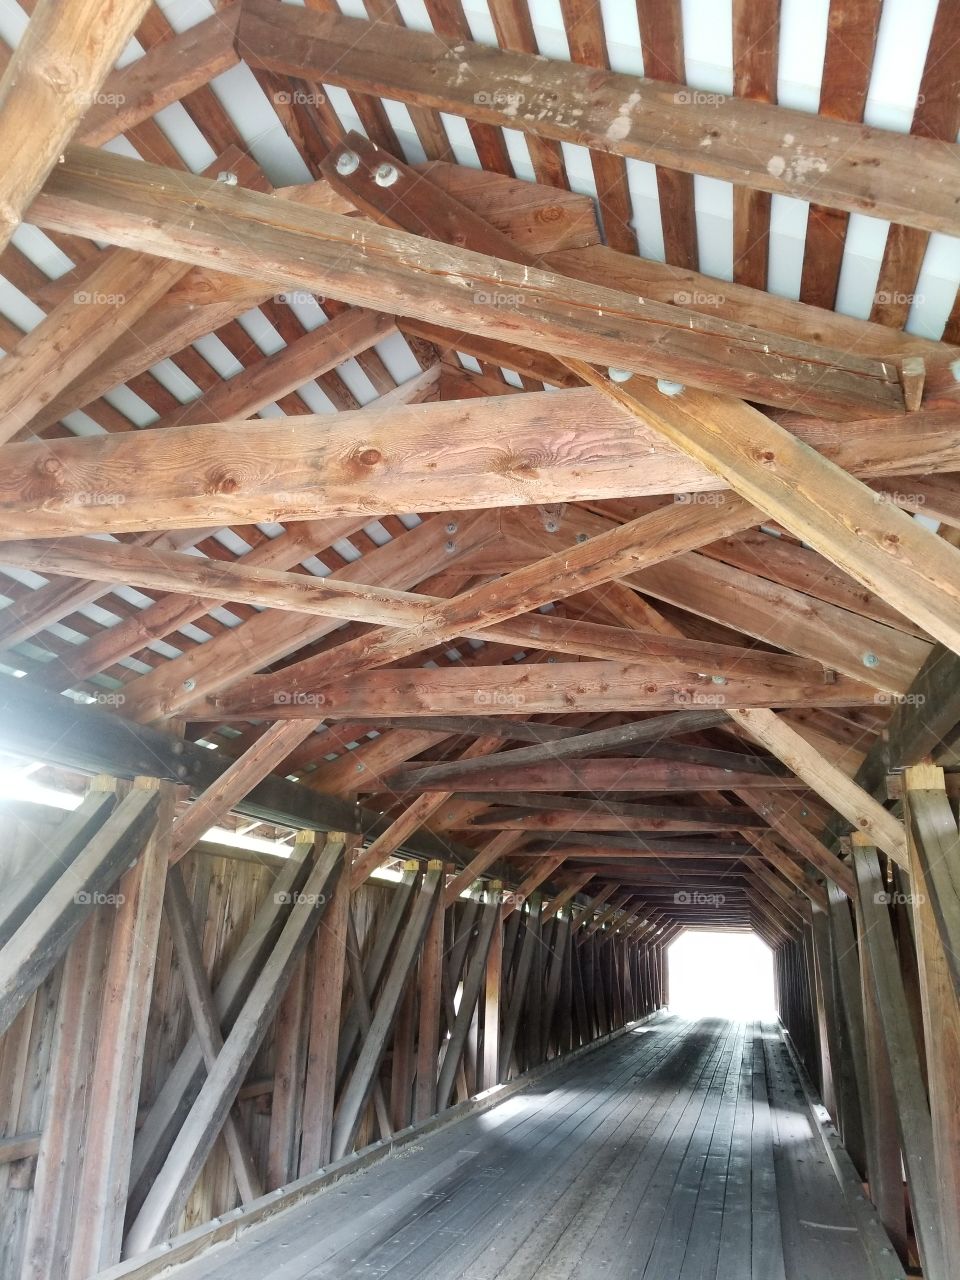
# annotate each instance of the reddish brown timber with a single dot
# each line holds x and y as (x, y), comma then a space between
(298, 247)
(551, 689)
(846, 165)
(50, 82)
(574, 809)
(168, 72)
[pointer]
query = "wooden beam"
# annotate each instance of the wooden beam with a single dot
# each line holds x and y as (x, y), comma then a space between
(622, 774)
(236, 781)
(431, 1007)
(320, 1078)
(489, 1067)
(504, 843)
(935, 903)
(844, 165)
(168, 1194)
(410, 820)
(784, 821)
(864, 813)
(757, 457)
(551, 689)
(936, 852)
(360, 1009)
(275, 463)
(115, 1090)
(913, 1114)
(567, 894)
(179, 917)
(44, 935)
(78, 332)
(167, 73)
(542, 870)
(155, 568)
(616, 815)
(49, 84)
(600, 741)
(470, 993)
(357, 1091)
(752, 453)
(297, 247)
(649, 539)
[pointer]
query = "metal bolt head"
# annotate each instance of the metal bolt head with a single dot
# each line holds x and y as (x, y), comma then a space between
(449, 547)
(581, 537)
(227, 178)
(619, 375)
(347, 162)
(719, 679)
(551, 526)
(451, 527)
(870, 660)
(189, 684)
(385, 175)
(668, 388)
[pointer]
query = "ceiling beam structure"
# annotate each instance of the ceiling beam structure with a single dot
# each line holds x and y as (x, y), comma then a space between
(593, 598)
(785, 152)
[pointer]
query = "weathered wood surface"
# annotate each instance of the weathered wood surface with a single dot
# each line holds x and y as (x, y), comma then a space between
(615, 1163)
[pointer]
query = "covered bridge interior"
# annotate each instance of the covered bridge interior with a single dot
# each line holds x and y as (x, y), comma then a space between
(478, 507)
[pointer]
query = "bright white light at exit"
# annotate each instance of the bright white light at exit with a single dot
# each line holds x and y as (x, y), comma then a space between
(722, 975)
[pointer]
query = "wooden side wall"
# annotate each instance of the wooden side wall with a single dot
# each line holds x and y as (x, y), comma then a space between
(537, 990)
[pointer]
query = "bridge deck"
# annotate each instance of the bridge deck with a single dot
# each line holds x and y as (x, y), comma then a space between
(681, 1151)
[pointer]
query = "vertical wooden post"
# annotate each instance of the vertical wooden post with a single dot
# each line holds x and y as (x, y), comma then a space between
(912, 1109)
(884, 1165)
(128, 987)
(320, 1083)
(289, 1064)
(529, 946)
(830, 1038)
(850, 1012)
(934, 849)
(431, 1005)
(361, 1083)
(47, 1244)
(402, 1057)
(493, 977)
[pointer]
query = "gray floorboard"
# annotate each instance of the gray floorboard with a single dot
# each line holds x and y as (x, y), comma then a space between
(681, 1151)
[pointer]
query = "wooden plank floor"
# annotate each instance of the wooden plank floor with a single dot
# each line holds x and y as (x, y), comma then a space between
(680, 1151)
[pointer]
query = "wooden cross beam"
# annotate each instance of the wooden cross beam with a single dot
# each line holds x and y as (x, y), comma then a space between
(847, 166)
(50, 83)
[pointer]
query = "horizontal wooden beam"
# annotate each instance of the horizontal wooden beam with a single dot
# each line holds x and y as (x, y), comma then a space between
(847, 166)
(37, 725)
(287, 245)
(651, 731)
(156, 568)
(536, 448)
(558, 688)
(617, 816)
(615, 774)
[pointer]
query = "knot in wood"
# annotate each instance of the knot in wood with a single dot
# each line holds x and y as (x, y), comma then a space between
(222, 481)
